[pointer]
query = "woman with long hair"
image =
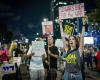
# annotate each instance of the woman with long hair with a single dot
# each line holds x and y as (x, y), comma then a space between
(73, 57)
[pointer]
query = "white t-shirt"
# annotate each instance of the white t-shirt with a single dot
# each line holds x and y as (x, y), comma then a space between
(36, 60)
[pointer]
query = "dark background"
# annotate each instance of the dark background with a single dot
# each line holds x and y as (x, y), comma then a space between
(25, 16)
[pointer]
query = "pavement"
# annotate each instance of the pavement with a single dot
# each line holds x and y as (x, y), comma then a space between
(89, 74)
(92, 75)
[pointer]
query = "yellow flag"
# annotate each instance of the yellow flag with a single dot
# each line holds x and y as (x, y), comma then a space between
(11, 47)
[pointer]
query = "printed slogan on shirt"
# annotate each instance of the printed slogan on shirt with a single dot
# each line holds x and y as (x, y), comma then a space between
(71, 59)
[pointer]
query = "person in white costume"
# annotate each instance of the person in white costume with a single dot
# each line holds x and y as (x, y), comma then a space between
(36, 62)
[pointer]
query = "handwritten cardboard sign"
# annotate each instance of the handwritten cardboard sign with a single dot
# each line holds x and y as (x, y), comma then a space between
(38, 48)
(71, 11)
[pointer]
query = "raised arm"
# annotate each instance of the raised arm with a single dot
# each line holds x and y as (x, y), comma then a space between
(81, 47)
(62, 34)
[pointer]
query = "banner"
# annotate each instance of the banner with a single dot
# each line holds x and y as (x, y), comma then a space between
(38, 48)
(7, 68)
(71, 11)
(47, 28)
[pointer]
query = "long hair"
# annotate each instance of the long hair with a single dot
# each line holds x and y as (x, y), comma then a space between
(76, 40)
(66, 39)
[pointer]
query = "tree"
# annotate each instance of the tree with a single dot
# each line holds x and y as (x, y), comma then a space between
(5, 35)
(3, 30)
(94, 15)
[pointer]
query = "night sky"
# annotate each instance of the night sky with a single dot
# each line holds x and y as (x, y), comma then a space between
(25, 16)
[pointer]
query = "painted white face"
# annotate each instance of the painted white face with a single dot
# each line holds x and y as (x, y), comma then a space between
(72, 41)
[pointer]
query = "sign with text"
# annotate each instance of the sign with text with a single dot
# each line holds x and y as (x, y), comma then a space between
(38, 48)
(47, 27)
(8, 68)
(71, 11)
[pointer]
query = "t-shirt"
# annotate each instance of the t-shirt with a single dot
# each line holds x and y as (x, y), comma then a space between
(16, 51)
(73, 61)
(98, 56)
(53, 61)
(4, 55)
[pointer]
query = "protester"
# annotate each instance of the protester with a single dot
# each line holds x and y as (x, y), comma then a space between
(73, 58)
(95, 59)
(36, 64)
(73, 61)
(16, 51)
(89, 59)
(52, 59)
(4, 53)
(98, 60)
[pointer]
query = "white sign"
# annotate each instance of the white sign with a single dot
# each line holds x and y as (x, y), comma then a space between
(26, 40)
(17, 60)
(88, 40)
(71, 11)
(38, 48)
(47, 27)
(59, 43)
(8, 68)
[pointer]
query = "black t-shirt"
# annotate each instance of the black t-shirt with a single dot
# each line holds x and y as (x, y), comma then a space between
(17, 51)
(53, 61)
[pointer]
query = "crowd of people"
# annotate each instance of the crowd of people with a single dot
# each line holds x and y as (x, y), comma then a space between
(43, 65)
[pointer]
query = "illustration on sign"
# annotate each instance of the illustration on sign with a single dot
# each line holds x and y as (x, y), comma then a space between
(47, 27)
(68, 29)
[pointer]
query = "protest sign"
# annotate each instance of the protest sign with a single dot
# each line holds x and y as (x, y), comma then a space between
(47, 27)
(7, 68)
(59, 43)
(38, 48)
(17, 60)
(71, 11)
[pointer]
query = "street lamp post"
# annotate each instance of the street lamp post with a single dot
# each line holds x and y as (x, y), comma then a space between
(77, 19)
(52, 10)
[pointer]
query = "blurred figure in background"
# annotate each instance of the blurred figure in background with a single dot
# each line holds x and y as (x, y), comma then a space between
(4, 53)
(89, 59)
(95, 59)
(98, 60)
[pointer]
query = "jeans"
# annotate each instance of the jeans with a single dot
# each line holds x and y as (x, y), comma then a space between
(72, 76)
(37, 74)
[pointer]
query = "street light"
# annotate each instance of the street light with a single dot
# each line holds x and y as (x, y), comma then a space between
(37, 34)
(56, 20)
(65, 3)
(45, 19)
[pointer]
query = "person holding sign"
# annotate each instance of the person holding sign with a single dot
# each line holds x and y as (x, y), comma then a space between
(73, 57)
(4, 53)
(37, 54)
(53, 54)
